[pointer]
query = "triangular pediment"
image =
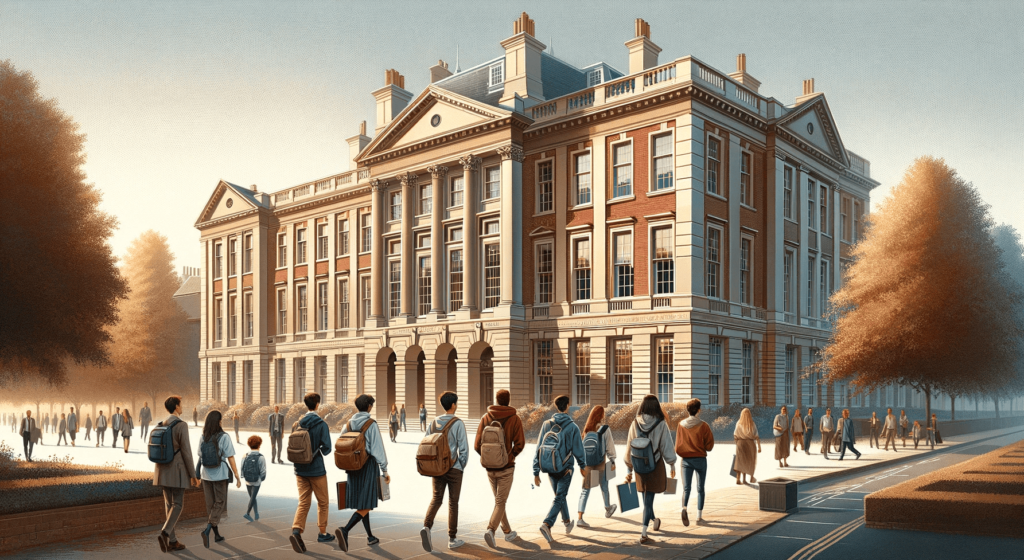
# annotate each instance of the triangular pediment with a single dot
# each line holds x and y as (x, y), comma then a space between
(228, 199)
(812, 122)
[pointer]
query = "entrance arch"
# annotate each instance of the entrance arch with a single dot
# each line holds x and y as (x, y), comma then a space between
(486, 379)
(383, 389)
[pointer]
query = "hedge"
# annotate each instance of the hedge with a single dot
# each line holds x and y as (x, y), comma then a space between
(22, 496)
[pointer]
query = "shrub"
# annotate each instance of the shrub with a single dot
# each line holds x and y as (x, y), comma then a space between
(336, 414)
(244, 411)
(532, 416)
(206, 406)
(258, 418)
(34, 494)
(292, 414)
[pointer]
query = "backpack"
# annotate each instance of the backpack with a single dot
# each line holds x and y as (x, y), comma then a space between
(209, 453)
(251, 467)
(493, 451)
(161, 443)
(300, 447)
(350, 448)
(550, 452)
(642, 452)
(434, 455)
(593, 447)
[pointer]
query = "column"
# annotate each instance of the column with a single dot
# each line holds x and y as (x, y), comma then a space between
(332, 274)
(511, 224)
(377, 254)
(735, 155)
(408, 248)
(689, 172)
(470, 237)
(437, 240)
(800, 213)
(837, 237)
(776, 242)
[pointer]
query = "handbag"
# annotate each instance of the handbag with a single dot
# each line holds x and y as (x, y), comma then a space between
(628, 498)
(732, 469)
(342, 488)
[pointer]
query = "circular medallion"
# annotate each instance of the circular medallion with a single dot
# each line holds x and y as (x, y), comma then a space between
(229, 203)
(810, 128)
(435, 120)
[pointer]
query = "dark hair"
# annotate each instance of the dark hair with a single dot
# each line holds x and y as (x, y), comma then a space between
(693, 406)
(212, 427)
(127, 413)
(596, 415)
(254, 442)
(311, 400)
(503, 397)
(562, 402)
(651, 407)
(171, 403)
(447, 400)
(364, 402)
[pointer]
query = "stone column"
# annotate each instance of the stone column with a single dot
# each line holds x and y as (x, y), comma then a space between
(437, 240)
(470, 237)
(408, 248)
(837, 238)
(511, 224)
(377, 254)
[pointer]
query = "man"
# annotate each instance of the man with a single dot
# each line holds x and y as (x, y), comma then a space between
(28, 424)
(808, 429)
(88, 426)
(501, 478)
(46, 423)
(874, 426)
(72, 425)
(933, 431)
(423, 418)
(311, 477)
(145, 417)
(827, 427)
(890, 430)
(904, 427)
(797, 425)
(458, 446)
(101, 428)
(195, 416)
(174, 477)
(401, 414)
(276, 434)
(572, 446)
(849, 435)
(115, 425)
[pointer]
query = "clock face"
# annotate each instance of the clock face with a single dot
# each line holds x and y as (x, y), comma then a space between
(229, 203)
(435, 120)
(810, 128)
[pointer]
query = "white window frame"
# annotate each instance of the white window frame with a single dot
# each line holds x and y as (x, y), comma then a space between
(539, 273)
(652, 175)
(664, 368)
(300, 245)
(616, 373)
(788, 180)
(301, 308)
(788, 262)
(790, 376)
(452, 191)
(322, 242)
(812, 204)
(824, 286)
(616, 166)
(282, 250)
(250, 328)
(544, 370)
(578, 174)
(613, 253)
(232, 256)
(544, 201)
(824, 204)
(582, 371)
(716, 369)
(281, 385)
(394, 301)
(218, 260)
(282, 310)
(595, 77)
(343, 238)
(652, 231)
(232, 316)
(713, 175)
(812, 267)
(365, 299)
(247, 254)
(490, 185)
(716, 292)
(844, 218)
(496, 75)
(395, 205)
(426, 199)
(344, 317)
(748, 372)
(573, 266)
(365, 233)
(453, 303)
(322, 306)
(747, 270)
(747, 178)
(495, 300)
(423, 284)
(218, 319)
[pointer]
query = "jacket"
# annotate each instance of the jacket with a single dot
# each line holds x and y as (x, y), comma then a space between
(797, 425)
(276, 425)
(320, 438)
(101, 423)
(458, 441)
(660, 436)
(127, 425)
(116, 421)
(63, 426)
(890, 421)
(809, 424)
(179, 472)
(827, 423)
(73, 422)
(849, 433)
(374, 443)
(145, 416)
(515, 438)
(27, 425)
(88, 424)
(693, 438)
(904, 421)
(569, 439)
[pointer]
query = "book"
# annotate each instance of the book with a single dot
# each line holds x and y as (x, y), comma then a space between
(609, 471)
(384, 490)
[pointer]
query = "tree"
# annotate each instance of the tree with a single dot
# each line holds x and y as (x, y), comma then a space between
(1011, 248)
(925, 302)
(59, 283)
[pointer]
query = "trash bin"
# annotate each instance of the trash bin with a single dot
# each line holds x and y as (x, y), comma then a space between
(778, 494)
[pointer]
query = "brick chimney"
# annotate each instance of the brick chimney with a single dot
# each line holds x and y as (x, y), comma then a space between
(522, 63)
(391, 98)
(808, 91)
(741, 76)
(356, 145)
(439, 71)
(643, 53)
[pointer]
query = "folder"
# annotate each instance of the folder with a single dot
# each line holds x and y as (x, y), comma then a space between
(609, 471)
(628, 498)
(342, 486)
(671, 485)
(383, 490)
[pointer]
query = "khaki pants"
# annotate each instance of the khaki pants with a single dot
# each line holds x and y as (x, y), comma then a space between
(308, 486)
(890, 438)
(216, 494)
(501, 486)
(826, 441)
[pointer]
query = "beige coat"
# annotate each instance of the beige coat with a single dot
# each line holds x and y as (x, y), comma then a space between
(179, 472)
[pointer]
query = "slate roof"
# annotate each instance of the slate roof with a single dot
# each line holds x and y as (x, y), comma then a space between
(188, 298)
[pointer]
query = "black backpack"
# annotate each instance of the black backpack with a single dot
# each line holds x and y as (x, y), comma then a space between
(161, 443)
(209, 453)
(251, 467)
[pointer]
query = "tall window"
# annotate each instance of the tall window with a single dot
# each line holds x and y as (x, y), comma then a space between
(622, 370)
(247, 255)
(233, 317)
(321, 241)
(664, 263)
(545, 272)
(424, 285)
(787, 192)
(623, 262)
(395, 205)
(320, 371)
(247, 381)
(543, 362)
(746, 194)
(366, 232)
(455, 280)
(282, 250)
(343, 316)
(342, 248)
(663, 363)
(581, 270)
(811, 382)
(218, 315)
(823, 290)
(300, 379)
(581, 363)
(790, 374)
(812, 189)
(232, 256)
(787, 282)
(581, 179)
(714, 370)
(844, 218)
(622, 170)
(218, 260)
(492, 275)
(492, 182)
(300, 246)
(810, 286)
(426, 198)
(364, 290)
(663, 162)
(282, 380)
(456, 189)
(394, 288)
(282, 311)
(545, 188)
(856, 222)
(823, 205)
(321, 306)
(714, 166)
(303, 315)
(341, 386)
(748, 371)
(217, 394)
(247, 302)
(745, 257)
(714, 263)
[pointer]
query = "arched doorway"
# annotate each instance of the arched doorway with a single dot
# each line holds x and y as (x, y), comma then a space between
(421, 379)
(452, 381)
(391, 382)
(486, 379)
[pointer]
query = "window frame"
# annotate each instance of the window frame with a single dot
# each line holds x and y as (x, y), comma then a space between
(452, 181)
(232, 316)
(577, 174)
(343, 320)
(247, 253)
(540, 186)
(615, 273)
(844, 218)
(282, 310)
(218, 260)
(394, 284)
(789, 369)
(486, 269)
(365, 233)
(713, 174)
(574, 242)
(824, 285)
(653, 180)
(748, 372)
(218, 319)
(425, 196)
(812, 204)
(788, 181)
(454, 304)
(788, 262)
(300, 246)
(423, 284)
(322, 306)
(747, 179)
(250, 328)
(824, 205)
(282, 250)
(539, 273)
(615, 170)
(323, 244)
(365, 299)
(543, 363)
(342, 243)
(394, 205)
(708, 262)
(811, 284)
(615, 371)
(664, 371)
(301, 308)
(747, 270)
(715, 370)
(595, 77)
(498, 67)
(581, 362)
(488, 183)
(232, 256)
(654, 274)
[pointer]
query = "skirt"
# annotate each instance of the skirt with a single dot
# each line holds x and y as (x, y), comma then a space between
(655, 481)
(782, 446)
(746, 456)
(363, 486)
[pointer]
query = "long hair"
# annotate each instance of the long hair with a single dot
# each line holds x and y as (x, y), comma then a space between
(394, 408)
(127, 415)
(651, 407)
(212, 425)
(595, 418)
(745, 427)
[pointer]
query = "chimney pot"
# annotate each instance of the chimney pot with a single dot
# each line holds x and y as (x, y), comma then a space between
(643, 53)
(523, 25)
(391, 99)
(439, 71)
(253, 188)
(741, 76)
(522, 76)
(741, 62)
(643, 29)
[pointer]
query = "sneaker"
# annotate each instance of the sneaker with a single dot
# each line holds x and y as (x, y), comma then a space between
(644, 539)
(546, 531)
(489, 539)
(511, 536)
(582, 523)
(256, 515)
(296, 540)
(568, 527)
(325, 537)
(610, 511)
(342, 536)
(455, 543)
(372, 541)
(425, 539)
(657, 523)
(247, 517)
(686, 518)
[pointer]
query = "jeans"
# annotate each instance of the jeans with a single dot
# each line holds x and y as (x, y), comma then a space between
(691, 465)
(586, 494)
(649, 503)
(252, 490)
(807, 439)
(452, 480)
(174, 500)
(849, 445)
(560, 484)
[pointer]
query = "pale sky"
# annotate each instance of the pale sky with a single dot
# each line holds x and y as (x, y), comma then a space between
(176, 95)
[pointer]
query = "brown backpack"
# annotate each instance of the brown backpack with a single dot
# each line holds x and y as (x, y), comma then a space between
(300, 447)
(350, 449)
(434, 456)
(493, 450)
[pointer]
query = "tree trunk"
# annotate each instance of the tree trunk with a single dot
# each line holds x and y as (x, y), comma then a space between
(996, 401)
(952, 407)
(928, 404)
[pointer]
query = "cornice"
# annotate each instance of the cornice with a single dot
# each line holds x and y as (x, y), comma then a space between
(453, 136)
(336, 197)
(210, 223)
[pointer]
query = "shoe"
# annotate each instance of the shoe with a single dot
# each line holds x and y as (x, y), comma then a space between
(372, 541)
(325, 537)
(610, 511)
(686, 518)
(248, 518)
(296, 540)
(206, 536)
(342, 536)
(163, 538)
(217, 538)
(644, 539)
(489, 539)
(858, 456)
(702, 522)
(657, 524)
(546, 531)
(428, 545)
(753, 480)
(256, 514)
(568, 527)
(511, 536)
(582, 523)
(455, 543)
(175, 546)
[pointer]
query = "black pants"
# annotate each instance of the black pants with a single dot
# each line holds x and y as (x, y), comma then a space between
(275, 446)
(29, 444)
(145, 428)
(113, 435)
(62, 436)
(452, 480)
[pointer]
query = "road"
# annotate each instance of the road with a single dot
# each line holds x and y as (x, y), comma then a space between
(830, 523)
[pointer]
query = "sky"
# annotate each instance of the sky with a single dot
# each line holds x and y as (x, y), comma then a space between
(174, 96)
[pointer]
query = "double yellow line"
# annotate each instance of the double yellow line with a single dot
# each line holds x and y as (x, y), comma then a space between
(810, 551)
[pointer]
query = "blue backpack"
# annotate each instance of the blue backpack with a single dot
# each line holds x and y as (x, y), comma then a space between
(209, 453)
(251, 467)
(593, 447)
(161, 443)
(551, 453)
(642, 452)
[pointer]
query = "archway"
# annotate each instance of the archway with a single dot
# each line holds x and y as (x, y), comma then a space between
(391, 383)
(486, 379)
(421, 379)
(452, 381)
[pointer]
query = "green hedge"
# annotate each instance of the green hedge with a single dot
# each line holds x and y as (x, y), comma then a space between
(23, 496)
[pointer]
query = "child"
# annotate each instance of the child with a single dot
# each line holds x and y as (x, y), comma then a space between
(254, 470)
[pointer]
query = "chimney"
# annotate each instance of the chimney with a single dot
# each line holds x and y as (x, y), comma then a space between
(391, 98)
(741, 76)
(356, 145)
(643, 53)
(522, 63)
(808, 91)
(439, 71)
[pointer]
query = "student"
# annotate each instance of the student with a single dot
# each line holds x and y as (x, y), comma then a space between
(693, 441)
(566, 444)
(401, 414)
(602, 442)
(781, 432)
(650, 426)
(933, 431)
(873, 426)
(145, 417)
(72, 426)
(849, 435)
(890, 430)
(276, 430)
(363, 484)
(919, 432)
(236, 421)
(28, 425)
(748, 445)
(837, 437)
(116, 420)
(46, 422)
(423, 418)
(809, 429)
(215, 448)
(254, 470)
(174, 477)
(458, 445)
(62, 430)
(501, 477)
(88, 426)
(126, 429)
(393, 423)
(797, 427)
(311, 477)
(904, 424)
(195, 416)
(827, 427)
(101, 428)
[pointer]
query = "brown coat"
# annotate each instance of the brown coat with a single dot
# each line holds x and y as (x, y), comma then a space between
(515, 438)
(694, 442)
(179, 472)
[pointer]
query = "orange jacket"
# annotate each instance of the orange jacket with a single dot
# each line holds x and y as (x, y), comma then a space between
(695, 441)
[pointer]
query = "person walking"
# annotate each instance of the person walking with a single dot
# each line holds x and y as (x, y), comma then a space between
(693, 442)
(311, 477)
(454, 430)
(254, 471)
(195, 416)
(116, 421)
(28, 425)
(808, 429)
(55, 421)
(145, 417)
(890, 430)
(46, 422)
(363, 486)
(558, 450)
(174, 477)
(236, 422)
(276, 434)
(919, 433)
(827, 427)
(72, 426)
(933, 431)
(126, 429)
(88, 426)
(849, 435)
(599, 448)
(837, 437)
(650, 443)
(423, 418)
(904, 425)
(874, 426)
(62, 430)
(781, 433)
(748, 445)
(513, 439)
(216, 454)
(101, 428)
(393, 423)
(797, 427)
(401, 413)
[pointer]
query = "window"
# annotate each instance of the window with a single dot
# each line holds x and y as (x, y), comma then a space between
(320, 371)
(622, 370)
(232, 256)
(394, 288)
(426, 198)
(714, 262)
(542, 368)
(746, 195)
(622, 170)
(218, 260)
(714, 370)
(395, 205)
(300, 246)
(321, 306)
(303, 315)
(824, 290)
(282, 250)
(233, 318)
(366, 232)
(745, 256)
(581, 365)
(300, 378)
(664, 263)
(594, 77)
(713, 166)
(218, 314)
(790, 374)
(321, 242)
(663, 363)
(456, 189)
(787, 282)
(581, 179)
(364, 290)
(545, 272)
(844, 219)
(247, 302)
(810, 286)
(491, 228)
(455, 235)
(663, 162)
(812, 381)
(856, 222)
(811, 190)
(455, 280)
(216, 382)
(823, 201)
(247, 381)
(342, 248)
(496, 75)
(581, 269)
(424, 242)
(545, 188)
(424, 285)
(247, 255)
(232, 383)
(492, 275)
(343, 316)
(282, 380)
(623, 262)
(492, 182)
(748, 372)
(787, 192)
(341, 385)
(282, 312)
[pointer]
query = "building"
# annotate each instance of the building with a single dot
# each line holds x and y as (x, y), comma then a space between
(189, 299)
(531, 225)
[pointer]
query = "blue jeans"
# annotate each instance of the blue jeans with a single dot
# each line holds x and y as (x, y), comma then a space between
(560, 484)
(700, 466)
(586, 494)
(649, 506)
(253, 491)
(849, 445)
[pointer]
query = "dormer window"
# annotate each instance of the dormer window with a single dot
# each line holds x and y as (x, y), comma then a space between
(496, 75)
(594, 77)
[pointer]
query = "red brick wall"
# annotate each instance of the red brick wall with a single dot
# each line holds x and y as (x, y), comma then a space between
(531, 222)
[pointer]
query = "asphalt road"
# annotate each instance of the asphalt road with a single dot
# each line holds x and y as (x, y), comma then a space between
(830, 523)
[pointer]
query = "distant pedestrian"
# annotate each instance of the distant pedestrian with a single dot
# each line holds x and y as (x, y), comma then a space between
(423, 418)
(558, 443)
(126, 429)
(809, 429)
(393, 423)
(55, 420)
(748, 445)
(781, 432)
(254, 471)
(890, 430)
(72, 426)
(875, 426)
(46, 422)
(363, 487)
(489, 450)
(693, 442)
(904, 425)
(62, 430)
(599, 449)
(933, 431)
(145, 417)
(28, 425)
(276, 434)
(650, 444)
(849, 435)
(101, 428)
(827, 427)
(452, 433)
(195, 415)
(116, 422)
(401, 414)
(236, 422)
(176, 476)
(797, 427)
(919, 433)
(837, 437)
(216, 454)
(310, 476)
(88, 426)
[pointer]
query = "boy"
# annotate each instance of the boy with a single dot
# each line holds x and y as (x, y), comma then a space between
(257, 467)
(311, 477)
(458, 446)
(501, 478)
(571, 443)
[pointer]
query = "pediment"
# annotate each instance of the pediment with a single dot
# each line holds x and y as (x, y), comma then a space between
(228, 199)
(540, 231)
(812, 122)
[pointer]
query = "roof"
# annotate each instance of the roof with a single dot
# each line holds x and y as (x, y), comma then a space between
(188, 297)
(247, 194)
(191, 285)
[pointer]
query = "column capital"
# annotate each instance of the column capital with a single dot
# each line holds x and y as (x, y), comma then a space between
(378, 185)
(437, 171)
(408, 180)
(469, 162)
(511, 151)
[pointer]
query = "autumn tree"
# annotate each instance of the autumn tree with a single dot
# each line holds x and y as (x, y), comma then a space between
(925, 302)
(1008, 240)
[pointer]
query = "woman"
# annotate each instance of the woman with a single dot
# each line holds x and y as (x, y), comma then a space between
(604, 436)
(219, 451)
(873, 427)
(650, 423)
(423, 418)
(401, 414)
(781, 432)
(235, 419)
(919, 432)
(126, 428)
(88, 425)
(62, 432)
(748, 445)
(393, 423)
(363, 485)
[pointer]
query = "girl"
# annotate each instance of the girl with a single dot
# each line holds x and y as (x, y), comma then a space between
(393, 423)
(216, 479)
(650, 423)
(747, 441)
(781, 432)
(126, 428)
(362, 488)
(594, 424)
